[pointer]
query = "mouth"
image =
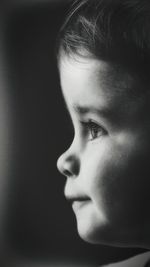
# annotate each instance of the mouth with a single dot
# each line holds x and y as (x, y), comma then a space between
(78, 202)
(72, 199)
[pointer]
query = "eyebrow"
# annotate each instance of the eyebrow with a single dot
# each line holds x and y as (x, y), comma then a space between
(105, 112)
(83, 110)
(108, 114)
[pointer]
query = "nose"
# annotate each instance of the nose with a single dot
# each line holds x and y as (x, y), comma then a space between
(68, 164)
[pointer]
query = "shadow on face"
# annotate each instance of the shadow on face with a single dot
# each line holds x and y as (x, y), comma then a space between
(39, 223)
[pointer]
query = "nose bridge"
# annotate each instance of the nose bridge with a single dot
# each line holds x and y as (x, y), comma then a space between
(68, 163)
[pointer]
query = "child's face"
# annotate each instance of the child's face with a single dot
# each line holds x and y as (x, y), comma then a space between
(107, 165)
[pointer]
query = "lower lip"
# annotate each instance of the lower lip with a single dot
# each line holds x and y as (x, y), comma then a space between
(78, 204)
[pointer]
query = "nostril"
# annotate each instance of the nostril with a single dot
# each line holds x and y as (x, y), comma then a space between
(68, 165)
(62, 165)
(67, 173)
(65, 167)
(70, 168)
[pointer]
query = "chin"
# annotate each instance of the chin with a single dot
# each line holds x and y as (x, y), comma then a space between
(90, 232)
(102, 234)
(100, 238)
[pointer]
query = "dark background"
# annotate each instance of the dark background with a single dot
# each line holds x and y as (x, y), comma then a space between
(40, 224)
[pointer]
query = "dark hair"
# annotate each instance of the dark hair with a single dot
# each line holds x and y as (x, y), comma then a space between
(111, 30)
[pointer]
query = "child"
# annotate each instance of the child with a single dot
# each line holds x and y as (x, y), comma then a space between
(104, 65)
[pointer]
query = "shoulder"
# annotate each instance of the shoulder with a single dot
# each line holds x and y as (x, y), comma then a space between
(142, 260)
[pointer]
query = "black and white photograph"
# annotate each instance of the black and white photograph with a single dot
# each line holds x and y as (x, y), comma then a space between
(75, 133)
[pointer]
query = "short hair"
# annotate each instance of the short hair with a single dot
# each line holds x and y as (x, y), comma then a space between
(110, 30)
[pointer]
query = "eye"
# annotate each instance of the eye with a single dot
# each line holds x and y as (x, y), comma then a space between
(93, 129)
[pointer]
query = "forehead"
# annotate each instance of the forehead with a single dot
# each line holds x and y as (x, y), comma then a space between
(96, 77)
(99, 85)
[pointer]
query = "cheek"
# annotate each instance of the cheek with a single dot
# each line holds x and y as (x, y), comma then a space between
(116, 178)
(99, 170)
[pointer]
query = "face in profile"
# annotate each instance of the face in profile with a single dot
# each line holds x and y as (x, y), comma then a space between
(107, 164)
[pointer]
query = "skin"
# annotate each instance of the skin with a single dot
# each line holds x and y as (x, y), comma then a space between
(107, 164)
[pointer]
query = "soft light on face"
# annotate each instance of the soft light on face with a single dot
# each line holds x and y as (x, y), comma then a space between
(107, 164)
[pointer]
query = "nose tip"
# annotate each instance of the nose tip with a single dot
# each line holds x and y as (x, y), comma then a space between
(68, 165)
(61, 166)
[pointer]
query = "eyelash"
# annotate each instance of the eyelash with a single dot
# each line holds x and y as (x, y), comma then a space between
(93, 129)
